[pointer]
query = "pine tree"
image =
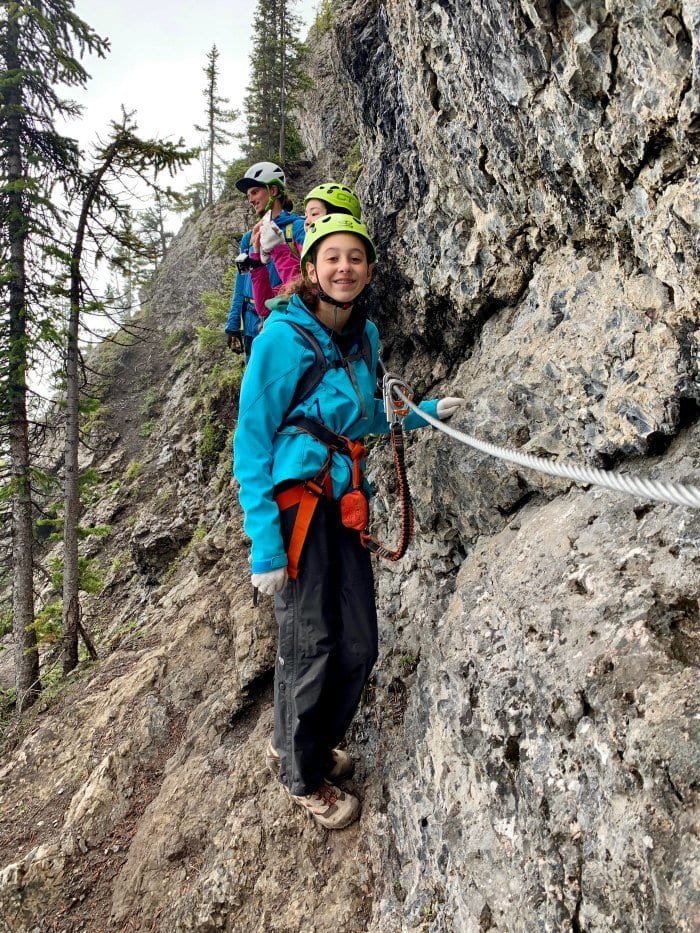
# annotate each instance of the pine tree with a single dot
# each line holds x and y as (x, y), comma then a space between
(37, 42)
(217, 119)
(277, 83)
(103, 217)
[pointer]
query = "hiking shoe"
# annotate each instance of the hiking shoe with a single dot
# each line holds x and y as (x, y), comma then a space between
(340, 764)
(330, 806)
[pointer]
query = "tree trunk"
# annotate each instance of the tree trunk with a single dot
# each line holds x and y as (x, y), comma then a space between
(26, 656)
(71, 506)
(283, 77)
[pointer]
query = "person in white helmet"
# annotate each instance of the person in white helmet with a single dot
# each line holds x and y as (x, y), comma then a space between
(264, 185)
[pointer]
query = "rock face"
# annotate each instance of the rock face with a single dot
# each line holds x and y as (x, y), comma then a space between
(528, 745)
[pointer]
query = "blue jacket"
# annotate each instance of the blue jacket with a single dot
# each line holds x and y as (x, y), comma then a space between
(266, 453)
(242, 318)
(298, 231)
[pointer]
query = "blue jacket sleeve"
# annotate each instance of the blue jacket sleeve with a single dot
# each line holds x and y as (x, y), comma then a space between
(234, 323)
(266, 392)
(299, 232)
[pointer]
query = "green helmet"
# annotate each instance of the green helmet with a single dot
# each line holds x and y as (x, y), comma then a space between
(335, 223)
(337, 196)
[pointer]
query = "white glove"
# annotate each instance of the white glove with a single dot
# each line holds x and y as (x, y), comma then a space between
(270, 236)
(271, 582)
(446, 407)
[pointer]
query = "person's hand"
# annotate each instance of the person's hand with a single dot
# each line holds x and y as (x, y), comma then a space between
(271, 582)
(270, 237)
(235, 341)
(446, 407)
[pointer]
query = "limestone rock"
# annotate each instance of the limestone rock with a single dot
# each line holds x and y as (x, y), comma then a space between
(527, 746)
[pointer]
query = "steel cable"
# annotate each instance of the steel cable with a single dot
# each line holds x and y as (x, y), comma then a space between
(675, 493)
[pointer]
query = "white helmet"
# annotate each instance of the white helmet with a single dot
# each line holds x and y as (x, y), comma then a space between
(262, 174)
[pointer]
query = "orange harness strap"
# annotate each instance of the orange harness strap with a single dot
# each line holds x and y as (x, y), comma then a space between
(306, 496)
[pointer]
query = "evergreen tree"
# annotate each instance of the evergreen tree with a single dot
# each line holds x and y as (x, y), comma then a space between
(103, 217)
(277, 83)
(217, 119)
(37, 43)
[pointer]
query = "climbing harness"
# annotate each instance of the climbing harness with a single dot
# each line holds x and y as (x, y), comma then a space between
(354, 506)
(675, 493)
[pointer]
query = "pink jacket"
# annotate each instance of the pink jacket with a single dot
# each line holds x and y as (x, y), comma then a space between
(288, 268)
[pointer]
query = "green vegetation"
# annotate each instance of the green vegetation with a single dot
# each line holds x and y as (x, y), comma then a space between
(5, 622)
(178, 337)
(276, 86)
(354, 162)
(92, 414)
(47, 623)
(216, 307)
(150, 402)
(90, 575)
(209, 339)
(216, 303)
(133, 470)
(220, 243)
(218, 118)
(212, 439)
(118, 562)
(325, 19)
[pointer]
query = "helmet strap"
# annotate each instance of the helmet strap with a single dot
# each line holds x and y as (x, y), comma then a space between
(343, 305)
(272, 198)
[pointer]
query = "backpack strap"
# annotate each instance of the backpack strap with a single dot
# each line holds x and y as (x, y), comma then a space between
(314, 374)
(318, 369)
(289, 238)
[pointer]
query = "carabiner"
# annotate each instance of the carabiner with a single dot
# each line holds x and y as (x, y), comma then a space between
(394, 407)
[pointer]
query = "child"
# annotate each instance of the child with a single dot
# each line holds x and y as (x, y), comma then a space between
(328, 198)
(325, 607)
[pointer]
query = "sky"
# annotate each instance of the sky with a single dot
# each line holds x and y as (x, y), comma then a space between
(155, 65)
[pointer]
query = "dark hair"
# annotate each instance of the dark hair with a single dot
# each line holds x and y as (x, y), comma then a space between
(307, 291)
(332, 209)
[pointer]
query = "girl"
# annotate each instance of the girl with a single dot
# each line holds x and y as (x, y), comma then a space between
(268, 242)
(291, 483)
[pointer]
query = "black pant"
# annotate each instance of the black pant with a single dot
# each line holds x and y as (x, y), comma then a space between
(328, 644)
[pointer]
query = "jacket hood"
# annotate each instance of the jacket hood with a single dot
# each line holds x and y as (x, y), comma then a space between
(293, 308)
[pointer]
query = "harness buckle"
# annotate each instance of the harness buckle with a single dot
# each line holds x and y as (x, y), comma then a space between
(312, 486)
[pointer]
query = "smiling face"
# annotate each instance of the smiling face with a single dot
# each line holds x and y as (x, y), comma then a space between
(258, 197)
(340, 266)
(314, 208)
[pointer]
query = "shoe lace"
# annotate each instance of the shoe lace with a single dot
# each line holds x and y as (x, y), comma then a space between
(328, 794)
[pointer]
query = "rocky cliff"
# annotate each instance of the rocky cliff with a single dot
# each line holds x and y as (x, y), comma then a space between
(528, 745)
